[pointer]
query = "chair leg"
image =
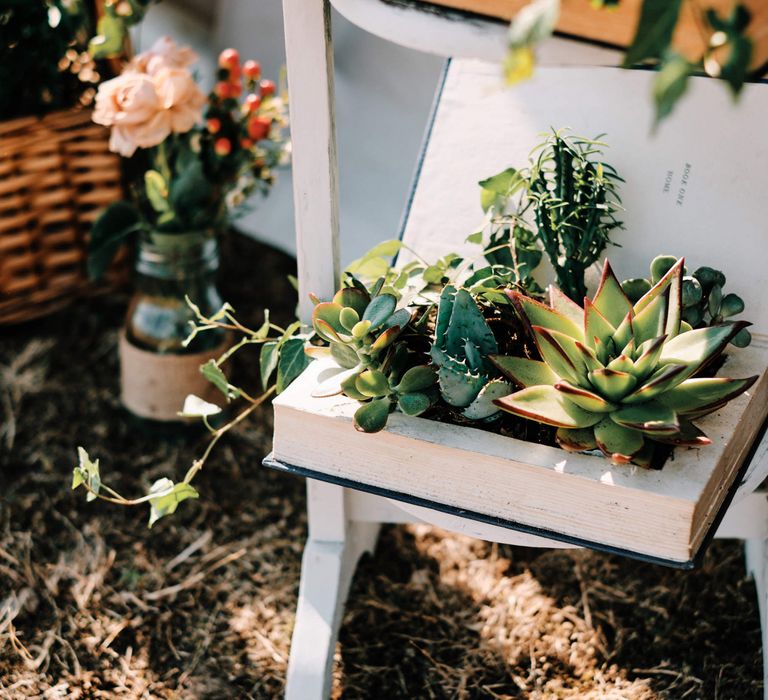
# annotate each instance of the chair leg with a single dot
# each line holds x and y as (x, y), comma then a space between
(326, 573)
(756, 554)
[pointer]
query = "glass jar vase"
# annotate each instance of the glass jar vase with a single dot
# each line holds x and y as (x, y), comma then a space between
(157, 370)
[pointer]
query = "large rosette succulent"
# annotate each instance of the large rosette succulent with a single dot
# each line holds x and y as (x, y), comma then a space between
(619, 376)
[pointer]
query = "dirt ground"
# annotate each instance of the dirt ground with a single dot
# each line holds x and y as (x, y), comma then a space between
(95, 605)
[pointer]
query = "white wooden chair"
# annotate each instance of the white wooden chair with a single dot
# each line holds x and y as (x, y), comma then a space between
(344, 523)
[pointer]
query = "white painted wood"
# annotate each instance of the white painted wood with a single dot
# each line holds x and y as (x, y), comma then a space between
(309, 60)
(756, 551)
(747, 519)
(478, 38)
(326, 573)
(344, 524)
(658, 513)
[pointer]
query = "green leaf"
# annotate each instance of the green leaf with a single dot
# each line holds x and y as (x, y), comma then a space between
(731, 305)
(611, 384)
(353, 298)
(414, 404)
(576, 440)
(168, 497)
(212, 372)
(475, 238)
(157, 191)
(670, 84)
(545, 404)
(87, 472)
(118, 221)
(292, 362)
(610, 299)
(587, 400)
(699, 394)
(417, 379)
(659, 382)
(190, 191)
(525, 372)
(372, 383)
(372, 417)
(483, 406)
(533, 23)
(380, 309)
(108, 42)
(658, 19)
(385, 249)
(268, 362)
(697, 347)
(537, 314)
(344, 355)
(651, 417)
(617, 441)
(495, 192)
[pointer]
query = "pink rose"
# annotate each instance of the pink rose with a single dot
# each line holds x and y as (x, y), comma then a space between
(130, 105)
(163, 54)
(179, 94)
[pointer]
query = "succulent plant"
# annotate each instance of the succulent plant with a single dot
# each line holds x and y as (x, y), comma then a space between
(702, 296)
(619, 376)
(362, 329)
(575, 201)
(462, 343)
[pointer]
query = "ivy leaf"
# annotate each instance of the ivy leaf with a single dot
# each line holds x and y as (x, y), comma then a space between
(268, 361)
(670, 84)
(86, 472)
(653, 35)
(212, 372)
(730, 32)
(118, 221)
(531, 24)
(497, 189)
(168, 498)
(291, 363)
(195, 407)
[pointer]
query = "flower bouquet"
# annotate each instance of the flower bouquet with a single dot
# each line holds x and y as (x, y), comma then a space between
(194, 159)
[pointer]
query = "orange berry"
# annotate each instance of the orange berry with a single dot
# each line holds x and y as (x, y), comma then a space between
(213, 125)
(258, 128)
(252, 102)
(229, 58)
(223, 90)
(246, 143)
(223, 146)
(252, 70)
(235, 89)
(267, 88)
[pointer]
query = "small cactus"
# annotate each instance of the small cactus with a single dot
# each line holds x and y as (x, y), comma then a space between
(463, 341)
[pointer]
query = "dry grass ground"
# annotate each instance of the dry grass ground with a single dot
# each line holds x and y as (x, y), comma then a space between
(94, 605)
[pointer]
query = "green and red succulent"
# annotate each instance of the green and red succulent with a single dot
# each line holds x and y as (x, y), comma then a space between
(619, 376)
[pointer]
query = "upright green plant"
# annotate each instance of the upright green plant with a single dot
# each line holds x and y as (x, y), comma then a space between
(574, 198)
(619, 376)
(462, 344)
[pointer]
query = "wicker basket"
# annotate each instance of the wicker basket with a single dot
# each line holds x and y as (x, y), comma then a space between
(56, 174)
